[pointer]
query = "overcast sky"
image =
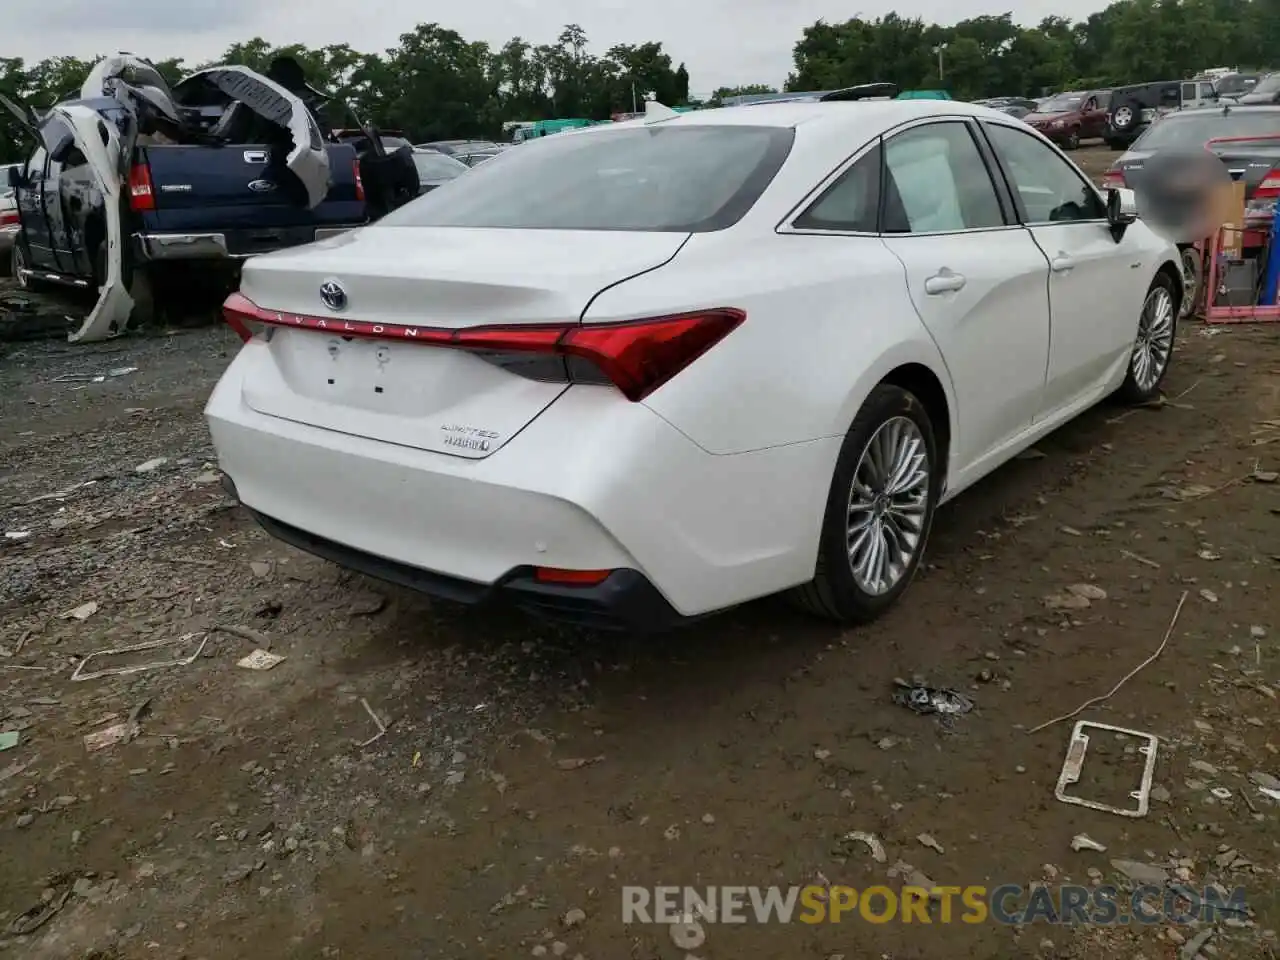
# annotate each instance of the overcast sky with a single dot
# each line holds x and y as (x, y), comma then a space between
(723, 42)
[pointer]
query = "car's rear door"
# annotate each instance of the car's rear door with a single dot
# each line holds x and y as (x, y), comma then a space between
(1095, 293)
(976, 278)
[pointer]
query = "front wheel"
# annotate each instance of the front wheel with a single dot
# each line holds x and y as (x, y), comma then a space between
(879, 510)
(1153, 346)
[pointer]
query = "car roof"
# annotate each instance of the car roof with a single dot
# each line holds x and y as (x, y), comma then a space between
(793, 113)
(1222, 111)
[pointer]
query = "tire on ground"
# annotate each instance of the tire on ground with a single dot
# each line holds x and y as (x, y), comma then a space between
(833, 593)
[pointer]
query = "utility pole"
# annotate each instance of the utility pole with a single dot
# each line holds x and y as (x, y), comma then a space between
(938, 50)
(634, 108)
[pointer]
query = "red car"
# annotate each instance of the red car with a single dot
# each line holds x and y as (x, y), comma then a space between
(1068, 118)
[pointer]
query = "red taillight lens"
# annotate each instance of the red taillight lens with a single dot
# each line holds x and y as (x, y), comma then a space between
(1113, 178)
(359, 182)
(142, 196)
(1269, 187)
(570, 578)
(8, 218)
(636, 356)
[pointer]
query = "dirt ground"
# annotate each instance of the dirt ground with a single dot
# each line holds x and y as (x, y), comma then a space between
(527, 773)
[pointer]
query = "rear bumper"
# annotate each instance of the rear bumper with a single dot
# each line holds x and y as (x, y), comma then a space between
(593, 483)
(229, 244)
(624, 601)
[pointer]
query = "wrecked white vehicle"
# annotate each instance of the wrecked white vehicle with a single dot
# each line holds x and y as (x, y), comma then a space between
(134, 178)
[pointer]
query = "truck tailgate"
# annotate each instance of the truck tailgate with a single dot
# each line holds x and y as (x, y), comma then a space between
(239, 186)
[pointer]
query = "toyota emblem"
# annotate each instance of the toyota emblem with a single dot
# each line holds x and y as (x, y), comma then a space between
(334, 297)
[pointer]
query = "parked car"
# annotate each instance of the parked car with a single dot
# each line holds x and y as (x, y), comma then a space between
(435, 169)
(1069, 118)
(458, 146)
(634, 375)
(1232, 86)
(1137, 106)
(257, 178)
(8, 209)
(1266, 90)
(478, 156)
(1255, 162)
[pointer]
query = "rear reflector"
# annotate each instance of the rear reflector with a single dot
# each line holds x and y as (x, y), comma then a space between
(142, 196)
(636, 356)
(570, 578)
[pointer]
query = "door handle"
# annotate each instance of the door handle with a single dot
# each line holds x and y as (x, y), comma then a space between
(944, 281)
(1062, 263)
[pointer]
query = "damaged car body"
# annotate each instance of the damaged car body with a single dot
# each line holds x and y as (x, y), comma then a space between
(135, 177)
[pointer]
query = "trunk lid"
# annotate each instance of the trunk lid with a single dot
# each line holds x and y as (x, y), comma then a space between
(415, 394)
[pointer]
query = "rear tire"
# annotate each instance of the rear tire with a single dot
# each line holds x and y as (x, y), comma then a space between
(1153, 346)
(1072, 141)
(879, 510)
(1192, 277)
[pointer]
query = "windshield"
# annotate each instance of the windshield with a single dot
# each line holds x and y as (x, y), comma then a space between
(1197, 129)
(437, 166)
(1064, 104)
(687, 178)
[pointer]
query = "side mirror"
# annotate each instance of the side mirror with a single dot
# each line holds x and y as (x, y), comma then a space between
(16, 178)
(1122, 207)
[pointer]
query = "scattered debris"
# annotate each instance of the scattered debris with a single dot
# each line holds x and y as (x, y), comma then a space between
(1031, 453)
(927, 840)
(577, 763)
(82, 612)
(1145, 874)
(1082, 841)
(1265, 476)
(871, 841)
(1208, 595)
(941, 701)
(260, 660)
(17, 534)
(259, 640)
(1076, 752)
(1087, 590)
(1140, 559)
(151, 465)
(110, 736)
(1222, 793)
(377, 722)
(1196, 944)
(1132, 673)
(9, 739)
(140, 667)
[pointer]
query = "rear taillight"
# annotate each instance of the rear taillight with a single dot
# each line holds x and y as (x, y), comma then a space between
(8, 218)
(359, 182)
(142, 196)
(636, 356)
(1113, 179)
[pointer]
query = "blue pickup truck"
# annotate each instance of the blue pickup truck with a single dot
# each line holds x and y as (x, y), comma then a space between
(230, 169)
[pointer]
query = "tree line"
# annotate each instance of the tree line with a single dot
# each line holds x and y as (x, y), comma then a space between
(435, 84)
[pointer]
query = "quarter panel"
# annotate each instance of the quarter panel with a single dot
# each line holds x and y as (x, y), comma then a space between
(823, 313)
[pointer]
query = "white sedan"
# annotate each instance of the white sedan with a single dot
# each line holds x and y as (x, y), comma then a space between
(635, 375)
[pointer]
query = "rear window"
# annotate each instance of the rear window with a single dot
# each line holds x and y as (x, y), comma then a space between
(437, 166)
(1195, 130)
(682, 179)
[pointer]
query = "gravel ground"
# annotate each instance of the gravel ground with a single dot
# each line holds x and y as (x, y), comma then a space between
(527, 773)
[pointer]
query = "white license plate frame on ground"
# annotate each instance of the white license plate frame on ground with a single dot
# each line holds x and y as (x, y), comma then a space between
(1078, 748)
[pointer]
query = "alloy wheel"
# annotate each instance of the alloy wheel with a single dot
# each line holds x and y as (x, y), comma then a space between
(888, 506)
(1154, 345)
(1191, 266)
